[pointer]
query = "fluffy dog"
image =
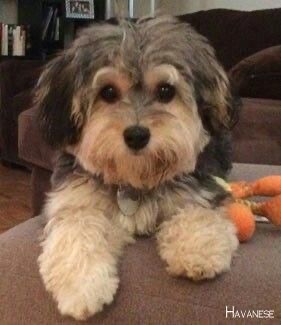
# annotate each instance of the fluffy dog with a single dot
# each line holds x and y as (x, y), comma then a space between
(131, 106)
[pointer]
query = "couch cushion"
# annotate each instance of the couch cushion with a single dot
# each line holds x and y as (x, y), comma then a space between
(17, 78)
(257, 135)
(237, 34)
(18, 75)
(147, 294)
(31, 146)
(259, 75)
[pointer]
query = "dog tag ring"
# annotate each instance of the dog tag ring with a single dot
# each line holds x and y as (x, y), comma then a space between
(128, 200)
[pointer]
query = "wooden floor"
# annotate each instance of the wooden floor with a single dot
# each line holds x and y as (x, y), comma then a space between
(15, 197)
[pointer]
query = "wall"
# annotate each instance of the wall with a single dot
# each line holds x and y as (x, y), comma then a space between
(141, 7)
(177, 7)
(8, 11)
(183, 6)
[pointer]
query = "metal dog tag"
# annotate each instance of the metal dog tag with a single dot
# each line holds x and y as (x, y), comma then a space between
(128, 200)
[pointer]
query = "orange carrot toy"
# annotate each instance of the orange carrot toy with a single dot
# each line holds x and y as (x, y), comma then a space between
(242, 211)
(270, 209)
(243, 219)
(266, 186)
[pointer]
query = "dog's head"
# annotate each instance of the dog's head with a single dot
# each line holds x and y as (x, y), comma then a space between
(135, 103)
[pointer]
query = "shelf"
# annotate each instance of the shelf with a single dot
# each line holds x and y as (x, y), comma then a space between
(57, 2)
(13, 57)
(32, 13)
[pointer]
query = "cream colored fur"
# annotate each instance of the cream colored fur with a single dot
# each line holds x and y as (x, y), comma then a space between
(80, 250)
(86, 233)
(197, 243)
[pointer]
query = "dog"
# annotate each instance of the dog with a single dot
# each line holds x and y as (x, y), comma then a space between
(132, 107)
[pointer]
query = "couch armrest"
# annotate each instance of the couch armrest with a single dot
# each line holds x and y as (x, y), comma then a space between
(17, 76)
(31, 146)
(259, 75)
(17, 79)
(257, 136)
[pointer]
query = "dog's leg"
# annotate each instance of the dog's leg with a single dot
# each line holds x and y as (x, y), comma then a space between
(80, 251)
(197, 242)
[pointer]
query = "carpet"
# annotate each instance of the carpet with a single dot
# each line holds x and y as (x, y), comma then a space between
(15, 197)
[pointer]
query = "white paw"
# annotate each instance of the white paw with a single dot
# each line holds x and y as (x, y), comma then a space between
(87, 299)
(199, 267)
(82, 290)
(198, 243)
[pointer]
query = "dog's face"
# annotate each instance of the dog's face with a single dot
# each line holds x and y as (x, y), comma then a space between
(142, 128)
(135, 104)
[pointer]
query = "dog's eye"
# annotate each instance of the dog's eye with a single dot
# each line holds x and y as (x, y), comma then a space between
(109, 94)
(165, 92)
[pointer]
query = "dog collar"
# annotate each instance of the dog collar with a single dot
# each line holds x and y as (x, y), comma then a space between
(128, 199)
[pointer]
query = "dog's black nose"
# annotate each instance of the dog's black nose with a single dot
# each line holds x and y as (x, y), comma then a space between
(136, 137)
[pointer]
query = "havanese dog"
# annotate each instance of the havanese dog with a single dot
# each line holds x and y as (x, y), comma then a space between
(133, 108)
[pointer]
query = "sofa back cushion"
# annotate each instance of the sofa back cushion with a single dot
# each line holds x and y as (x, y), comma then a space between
(259, 75)
(237, 34)
(257, 135)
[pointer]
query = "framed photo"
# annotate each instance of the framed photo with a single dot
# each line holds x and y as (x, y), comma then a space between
(80, 9)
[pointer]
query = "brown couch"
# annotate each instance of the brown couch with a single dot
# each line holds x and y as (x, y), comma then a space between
(17, 79)
(147, 295)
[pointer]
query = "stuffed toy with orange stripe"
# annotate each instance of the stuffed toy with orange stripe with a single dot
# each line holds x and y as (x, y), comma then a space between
(242, 211)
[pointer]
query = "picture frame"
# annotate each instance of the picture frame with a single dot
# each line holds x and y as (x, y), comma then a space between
(80, 9)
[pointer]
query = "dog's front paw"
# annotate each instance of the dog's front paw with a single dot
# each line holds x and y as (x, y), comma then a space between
(198, 267)
(80, 291)
(199, 245)
(78, 306)
(86, 299)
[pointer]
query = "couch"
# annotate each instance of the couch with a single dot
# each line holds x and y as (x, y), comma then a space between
(147, 295)
(17, 79)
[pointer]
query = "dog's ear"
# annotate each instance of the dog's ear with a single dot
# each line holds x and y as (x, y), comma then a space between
(54, 95)
(217, 104)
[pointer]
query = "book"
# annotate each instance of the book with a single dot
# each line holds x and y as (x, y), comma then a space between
(10, 37)
(57, 31)
(53, 25)
(18, 42)
(4, 43)
(46, 22)
(28, 45)
(0, 38)
(13, 40)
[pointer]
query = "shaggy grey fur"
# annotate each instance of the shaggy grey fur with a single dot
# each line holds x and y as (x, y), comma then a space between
(137, 46)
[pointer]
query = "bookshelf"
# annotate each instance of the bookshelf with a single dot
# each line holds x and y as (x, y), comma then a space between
(60, 32)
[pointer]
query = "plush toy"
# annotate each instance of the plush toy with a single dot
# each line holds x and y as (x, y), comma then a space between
(242, 211)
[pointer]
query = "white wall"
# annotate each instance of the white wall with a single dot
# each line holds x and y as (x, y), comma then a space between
(8, 11)
(246, 5)
(141, 7)
(177, 7)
